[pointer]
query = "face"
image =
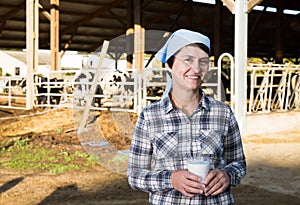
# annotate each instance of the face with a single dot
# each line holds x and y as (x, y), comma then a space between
(189, 68)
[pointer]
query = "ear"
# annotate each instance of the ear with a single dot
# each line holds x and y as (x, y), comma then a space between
(168, 68)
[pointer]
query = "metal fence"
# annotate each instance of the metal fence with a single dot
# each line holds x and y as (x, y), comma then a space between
(13, 92)
(271, 88)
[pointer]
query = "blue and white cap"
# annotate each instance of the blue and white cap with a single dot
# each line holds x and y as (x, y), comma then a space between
(179, 39)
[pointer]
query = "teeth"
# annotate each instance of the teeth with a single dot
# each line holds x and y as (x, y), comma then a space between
(193, 76)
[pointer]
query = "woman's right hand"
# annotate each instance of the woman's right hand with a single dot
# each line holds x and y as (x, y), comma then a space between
(187, 183)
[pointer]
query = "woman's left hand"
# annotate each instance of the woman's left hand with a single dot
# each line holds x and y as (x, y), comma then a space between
(216, 182)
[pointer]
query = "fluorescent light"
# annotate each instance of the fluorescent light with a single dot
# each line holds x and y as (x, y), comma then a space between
(258, 8)
(206, 1)
(292, 12)
(271, 9)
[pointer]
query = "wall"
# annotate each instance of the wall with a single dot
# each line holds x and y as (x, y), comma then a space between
(9, 63)
(273, 123)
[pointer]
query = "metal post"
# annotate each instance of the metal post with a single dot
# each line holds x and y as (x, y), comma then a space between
(240, 50)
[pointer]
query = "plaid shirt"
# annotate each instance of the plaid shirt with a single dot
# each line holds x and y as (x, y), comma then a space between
(164, 138)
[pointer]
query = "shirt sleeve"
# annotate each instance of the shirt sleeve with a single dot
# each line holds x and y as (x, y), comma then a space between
(140, 176)
(233, 152)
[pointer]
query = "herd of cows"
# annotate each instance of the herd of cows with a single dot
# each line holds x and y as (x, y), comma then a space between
(50, 91)
(116, 83)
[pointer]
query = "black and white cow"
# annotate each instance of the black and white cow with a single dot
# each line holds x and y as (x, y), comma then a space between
(111, 83)
(15, 87)
(52, 88)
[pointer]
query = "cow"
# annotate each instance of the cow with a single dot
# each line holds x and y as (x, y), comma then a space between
(16, 87)
(110, 84)
(48, 89)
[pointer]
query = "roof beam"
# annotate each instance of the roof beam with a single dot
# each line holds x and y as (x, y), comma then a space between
(9, 14)
(230, 4)
(44, 12)
(97, 13)
(252, 3)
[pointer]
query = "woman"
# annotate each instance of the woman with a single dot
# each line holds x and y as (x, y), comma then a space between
(183, 124)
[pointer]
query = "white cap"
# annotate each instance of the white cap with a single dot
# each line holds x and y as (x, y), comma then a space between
(179, 39)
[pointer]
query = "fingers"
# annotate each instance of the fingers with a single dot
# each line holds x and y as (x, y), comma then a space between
(187, 183)
(216, 182)
(190, 185)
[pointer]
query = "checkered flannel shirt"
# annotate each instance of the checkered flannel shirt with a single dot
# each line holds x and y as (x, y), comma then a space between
(164, 138)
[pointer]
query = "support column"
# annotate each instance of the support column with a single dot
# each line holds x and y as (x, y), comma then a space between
(139, 36)
(240, 50)
(32, 42)
(139, 47)
(54, 34)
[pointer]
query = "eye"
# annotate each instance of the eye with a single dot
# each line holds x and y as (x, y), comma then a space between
(204, 61)
(188, 60)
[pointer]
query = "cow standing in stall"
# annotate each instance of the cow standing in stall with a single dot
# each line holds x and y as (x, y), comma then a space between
(48, 90)
(15, 87)
(111, 84)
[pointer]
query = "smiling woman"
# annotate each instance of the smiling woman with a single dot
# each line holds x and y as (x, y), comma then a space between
(186, 124)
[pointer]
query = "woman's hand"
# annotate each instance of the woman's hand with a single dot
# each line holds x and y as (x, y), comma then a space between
(187, 183)
(216, 182)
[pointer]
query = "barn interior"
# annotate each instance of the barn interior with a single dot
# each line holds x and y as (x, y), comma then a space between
(268, 30)
(83, 25)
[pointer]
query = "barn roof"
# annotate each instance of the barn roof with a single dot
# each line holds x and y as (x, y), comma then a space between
(86, 23)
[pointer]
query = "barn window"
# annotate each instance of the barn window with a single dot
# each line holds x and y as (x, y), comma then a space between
(17, 70)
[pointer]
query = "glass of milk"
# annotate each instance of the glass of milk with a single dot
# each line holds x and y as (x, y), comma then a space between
(199, 167)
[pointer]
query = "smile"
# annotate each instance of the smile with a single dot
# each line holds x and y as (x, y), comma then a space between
(193, 76)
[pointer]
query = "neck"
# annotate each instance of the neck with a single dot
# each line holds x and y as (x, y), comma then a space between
(187, 102)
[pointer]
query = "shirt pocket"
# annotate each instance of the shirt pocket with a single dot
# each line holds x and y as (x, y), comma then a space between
(212, 145)
(165, 145)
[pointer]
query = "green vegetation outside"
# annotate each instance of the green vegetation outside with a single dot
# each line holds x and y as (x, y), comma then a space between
(23, 156)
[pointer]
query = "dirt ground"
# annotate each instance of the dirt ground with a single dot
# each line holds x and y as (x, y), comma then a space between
(273, 164)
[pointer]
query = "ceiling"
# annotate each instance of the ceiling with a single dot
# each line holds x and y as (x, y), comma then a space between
(86, 23)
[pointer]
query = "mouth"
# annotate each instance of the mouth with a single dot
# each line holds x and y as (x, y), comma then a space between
(193, 77)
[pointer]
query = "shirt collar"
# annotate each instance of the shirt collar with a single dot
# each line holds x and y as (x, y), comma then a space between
(168, 106)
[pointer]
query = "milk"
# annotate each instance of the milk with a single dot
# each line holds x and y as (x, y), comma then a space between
(199, 167)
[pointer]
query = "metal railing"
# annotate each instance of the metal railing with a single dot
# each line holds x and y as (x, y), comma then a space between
(12, 92)
(273, 87)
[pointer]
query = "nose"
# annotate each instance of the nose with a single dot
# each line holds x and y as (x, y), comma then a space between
(196, 67)
(200, 68)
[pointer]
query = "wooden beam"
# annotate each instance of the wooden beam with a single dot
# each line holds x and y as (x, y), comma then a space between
(251, 4)
(139, 36)
(44, 12)
(230, 4)
(67, 45)
(54, 34)
(92, 90)
(32, 43)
